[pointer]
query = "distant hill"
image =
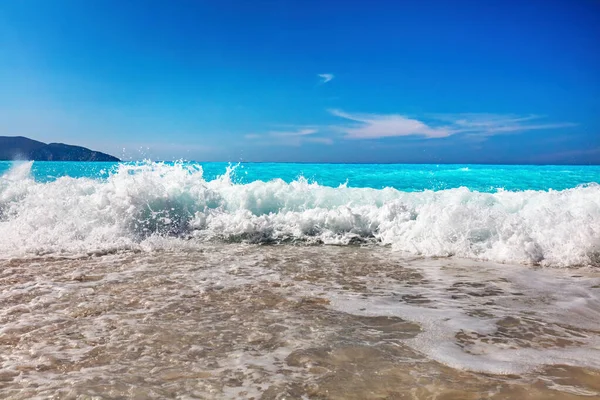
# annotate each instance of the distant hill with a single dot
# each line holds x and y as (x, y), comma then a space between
(17, 147)
(22, 148)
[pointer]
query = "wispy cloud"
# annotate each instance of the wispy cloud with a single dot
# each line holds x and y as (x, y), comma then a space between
(291, 137)
(296, 133)
(356, 126)
(497, 124)
(325, 77)
(481, 126)
(372, 126)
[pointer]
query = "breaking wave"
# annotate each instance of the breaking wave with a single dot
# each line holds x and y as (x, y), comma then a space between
(153, 206)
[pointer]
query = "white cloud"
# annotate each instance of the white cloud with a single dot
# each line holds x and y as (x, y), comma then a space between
(296, 133)
(291, 137)
(497, 124)
(475, 127)
(325, 77)
(373, 126)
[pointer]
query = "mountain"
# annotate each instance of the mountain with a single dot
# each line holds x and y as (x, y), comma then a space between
(66, 152)
(17, 147)
(22, 148)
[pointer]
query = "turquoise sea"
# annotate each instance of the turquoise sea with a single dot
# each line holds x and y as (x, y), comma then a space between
(404, 177)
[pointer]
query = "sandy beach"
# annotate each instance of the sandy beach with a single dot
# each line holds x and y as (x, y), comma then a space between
(295, 322)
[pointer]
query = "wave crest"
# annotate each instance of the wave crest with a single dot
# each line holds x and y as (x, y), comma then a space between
(152, 205)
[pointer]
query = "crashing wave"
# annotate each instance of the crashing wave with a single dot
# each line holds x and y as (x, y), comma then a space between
(151, 205)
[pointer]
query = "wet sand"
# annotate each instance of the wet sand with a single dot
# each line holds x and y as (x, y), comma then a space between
(295, 322)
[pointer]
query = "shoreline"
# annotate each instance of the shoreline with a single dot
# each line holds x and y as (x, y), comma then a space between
(249, 321)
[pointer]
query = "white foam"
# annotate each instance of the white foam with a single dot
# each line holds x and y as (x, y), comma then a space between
(136, 204)
(554, 297)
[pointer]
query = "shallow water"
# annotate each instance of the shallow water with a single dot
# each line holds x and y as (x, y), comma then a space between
(272, 322)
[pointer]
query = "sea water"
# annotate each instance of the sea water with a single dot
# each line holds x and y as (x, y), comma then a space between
(546, 215)
(212, 280)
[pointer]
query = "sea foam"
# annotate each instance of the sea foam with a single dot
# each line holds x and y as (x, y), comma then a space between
(153, 205)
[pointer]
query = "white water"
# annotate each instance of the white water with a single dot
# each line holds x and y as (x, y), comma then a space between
(155, 206)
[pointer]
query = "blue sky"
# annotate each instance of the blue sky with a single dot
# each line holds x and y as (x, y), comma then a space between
(309, 81)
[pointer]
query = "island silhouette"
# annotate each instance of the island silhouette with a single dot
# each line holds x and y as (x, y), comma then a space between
(22, 148)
